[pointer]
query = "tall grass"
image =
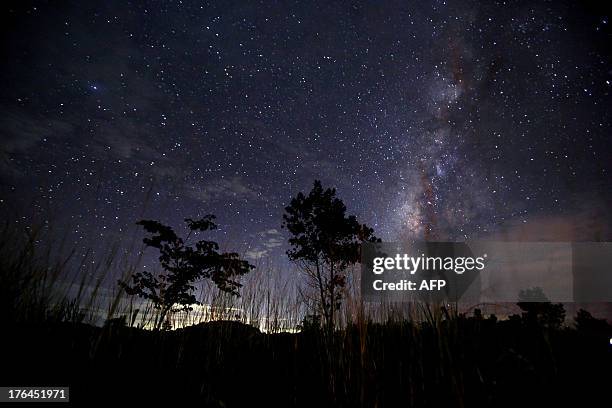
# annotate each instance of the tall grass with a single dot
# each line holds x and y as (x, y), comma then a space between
(42, 280)
(424, 349)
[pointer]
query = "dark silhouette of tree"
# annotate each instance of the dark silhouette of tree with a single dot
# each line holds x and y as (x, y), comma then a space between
(585, 322)
(184, 265)
(310, 323)
(324, 243)
(538, 309)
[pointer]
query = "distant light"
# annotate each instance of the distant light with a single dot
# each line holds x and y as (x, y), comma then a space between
(611, 341)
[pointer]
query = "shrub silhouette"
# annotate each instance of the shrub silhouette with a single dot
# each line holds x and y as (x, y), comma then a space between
(585, 322)
(310, 323)
(538, 309)
(324, 243)
(184, 266)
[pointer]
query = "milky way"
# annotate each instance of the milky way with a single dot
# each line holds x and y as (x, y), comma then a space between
(446, 120)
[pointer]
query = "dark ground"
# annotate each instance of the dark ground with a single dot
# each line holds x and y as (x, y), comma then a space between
(461, 362)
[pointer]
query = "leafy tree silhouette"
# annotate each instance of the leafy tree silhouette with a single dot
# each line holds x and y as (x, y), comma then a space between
(538, 309)
(184, 265)
(324, 243)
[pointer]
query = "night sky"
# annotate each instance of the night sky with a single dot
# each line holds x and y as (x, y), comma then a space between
(468, 117)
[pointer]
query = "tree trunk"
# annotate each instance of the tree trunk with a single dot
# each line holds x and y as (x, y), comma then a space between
(322, 290)
(332, 307)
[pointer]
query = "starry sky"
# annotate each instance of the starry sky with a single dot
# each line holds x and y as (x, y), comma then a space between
(465, 118)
